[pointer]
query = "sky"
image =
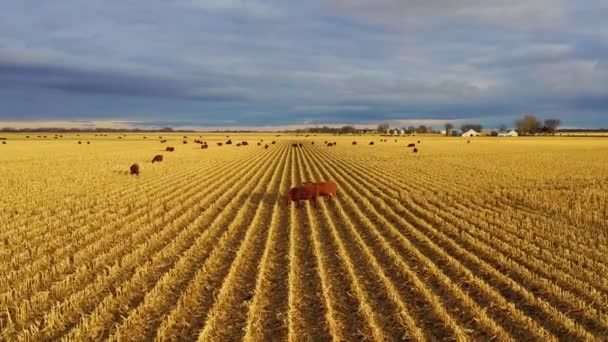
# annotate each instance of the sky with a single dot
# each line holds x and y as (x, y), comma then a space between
(221, 64)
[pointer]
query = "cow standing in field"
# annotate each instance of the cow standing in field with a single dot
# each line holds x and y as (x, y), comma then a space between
(371, 142)
(244, 143)
(300, 145)
(415, 150)
(259, 144)
(170, 149)
(294, 145)
(273, 142)
(311, 191)
(411, 145)
(354, 143)
(266, 146)
(204, 146)
(157, 158)
(330, 145)
(229, 142)
(135, 169)
(219, 144)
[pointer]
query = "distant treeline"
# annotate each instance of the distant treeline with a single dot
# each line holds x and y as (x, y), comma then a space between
(85, 130)
(583, 130)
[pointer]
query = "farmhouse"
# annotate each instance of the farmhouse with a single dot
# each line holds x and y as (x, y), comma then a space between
(470, 133)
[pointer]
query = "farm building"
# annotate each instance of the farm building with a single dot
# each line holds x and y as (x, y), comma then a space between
(511, 133)
(471, 133)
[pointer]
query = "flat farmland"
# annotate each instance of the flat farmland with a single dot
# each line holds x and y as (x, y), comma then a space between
(500, 239)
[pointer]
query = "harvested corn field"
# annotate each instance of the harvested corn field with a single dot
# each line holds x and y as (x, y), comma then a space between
(497, 239)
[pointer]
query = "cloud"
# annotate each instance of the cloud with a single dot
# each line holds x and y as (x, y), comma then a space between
(255, 8)
(37, 71)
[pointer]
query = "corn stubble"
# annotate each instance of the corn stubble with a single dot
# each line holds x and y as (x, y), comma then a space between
(499, 239)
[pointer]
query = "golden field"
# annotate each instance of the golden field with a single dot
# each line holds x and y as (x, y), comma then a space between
(500, 239)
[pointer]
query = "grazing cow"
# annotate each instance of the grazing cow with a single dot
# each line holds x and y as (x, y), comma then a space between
(239, 144)
(157, 158)
(371, 142)
(312, 143)
(80, 142)
(4, 143)
(354, 143)
(266, 146)
(335, 143)
(259, 144)
(306, 192)
(88, 143)
(135, 169)
(294, 145)
(163, 141)
(204, 146)
(415, 150)
(411, 145)
(330, 145)
(244, 143)
(419, 141)
(185, 142)
(170, 149)
(219, 144)
(300, 145)
(327, 189)
(274, 142)
(229, 142)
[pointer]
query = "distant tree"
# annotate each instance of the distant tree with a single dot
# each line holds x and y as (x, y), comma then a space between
(348, 129)
(529, 124)
(411, 129)
(448, 129)
(467, 126)
(552, 124)
(421, 129)
(166, 129)
(383, 127)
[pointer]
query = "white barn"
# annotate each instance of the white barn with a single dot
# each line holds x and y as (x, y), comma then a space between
(471, 133)
(511, 133)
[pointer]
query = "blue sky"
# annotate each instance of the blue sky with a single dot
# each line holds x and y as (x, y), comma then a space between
(238, 63)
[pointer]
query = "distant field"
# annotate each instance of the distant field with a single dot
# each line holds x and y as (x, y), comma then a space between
(497, 239)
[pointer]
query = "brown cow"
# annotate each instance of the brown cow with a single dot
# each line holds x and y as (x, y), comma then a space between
(88, 142)
(244, 143)
(274, 142)
(330, 145)
(312, 143)
(294, 145)
(354, 143)
(219, 144)
(204, 146)
(185, 142)
(80, 142)
(229, 142)
(306, 192)
(157, 158)
(419, 141)
(300, 145)
(371, 142)
(411, 145)
(259, 144)
(135, 169)
(170, 149)
(327, 189)
(415, 150)
(266, 146)
(4, 143)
